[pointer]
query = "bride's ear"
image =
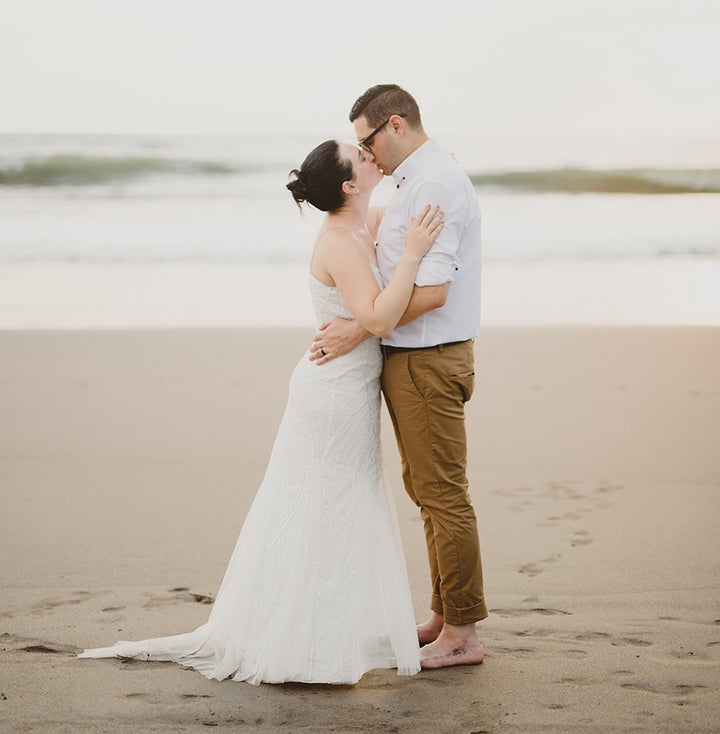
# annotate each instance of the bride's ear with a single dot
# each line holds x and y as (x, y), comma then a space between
(348, 188)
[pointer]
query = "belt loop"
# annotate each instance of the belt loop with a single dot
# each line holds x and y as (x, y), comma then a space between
(440, 347)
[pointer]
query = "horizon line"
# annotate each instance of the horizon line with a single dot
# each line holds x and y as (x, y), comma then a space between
(709, 135)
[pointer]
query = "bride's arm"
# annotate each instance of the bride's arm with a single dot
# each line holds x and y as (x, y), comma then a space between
(346, 261)
(339, 336)
(346, 334)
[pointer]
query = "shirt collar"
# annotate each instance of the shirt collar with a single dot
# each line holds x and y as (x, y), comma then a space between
(414, 162)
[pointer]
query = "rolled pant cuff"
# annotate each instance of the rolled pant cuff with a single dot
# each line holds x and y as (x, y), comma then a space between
(464, 615)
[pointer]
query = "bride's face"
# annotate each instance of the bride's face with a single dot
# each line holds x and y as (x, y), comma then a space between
(366, 174)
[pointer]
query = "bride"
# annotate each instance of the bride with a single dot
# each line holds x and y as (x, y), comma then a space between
(316, 589)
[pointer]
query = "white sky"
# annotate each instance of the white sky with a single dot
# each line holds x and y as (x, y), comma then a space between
(523, 67)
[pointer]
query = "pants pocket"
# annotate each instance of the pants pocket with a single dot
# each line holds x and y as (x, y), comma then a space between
(466, 384)
(461, 368)
(415, 374)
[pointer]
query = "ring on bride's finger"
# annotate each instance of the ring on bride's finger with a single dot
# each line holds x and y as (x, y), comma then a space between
(323, 352)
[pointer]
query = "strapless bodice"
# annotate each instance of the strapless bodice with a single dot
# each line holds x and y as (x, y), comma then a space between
(327, 300)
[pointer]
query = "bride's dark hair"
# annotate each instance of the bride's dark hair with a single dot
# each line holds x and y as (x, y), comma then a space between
(320, 178)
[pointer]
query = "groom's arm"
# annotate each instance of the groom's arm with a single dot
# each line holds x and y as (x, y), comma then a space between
(424, 298)
(335, 338)
(340, 336)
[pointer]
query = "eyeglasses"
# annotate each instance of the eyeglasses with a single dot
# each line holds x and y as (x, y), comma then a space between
(365, 142)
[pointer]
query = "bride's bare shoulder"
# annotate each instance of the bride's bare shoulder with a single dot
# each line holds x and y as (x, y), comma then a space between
(334, 234)
(336, 249)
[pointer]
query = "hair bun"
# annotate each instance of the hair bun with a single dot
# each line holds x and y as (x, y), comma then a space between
(298, 186)
(320, 178)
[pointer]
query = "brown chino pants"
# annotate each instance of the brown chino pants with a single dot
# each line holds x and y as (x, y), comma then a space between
(425, 391)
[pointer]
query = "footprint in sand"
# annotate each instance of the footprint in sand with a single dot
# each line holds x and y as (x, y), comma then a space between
(530, 569)
(679, 689)
(527, 612)
(46, 648)
(605, 637)
(147, 698)
(47, 606)
(593, 498)
(522, 506)
(516, 652)
(514, 492)
(693, 657)
(573, 515)
(645, 687)
(683, 689)
(533, 633)
(179, 594)
(633, 641)
(575, 654)
(381, 681)
(563, 490)
(590, 498)
(533, 569)
(581, 537)
(521, 494)
(187, 595)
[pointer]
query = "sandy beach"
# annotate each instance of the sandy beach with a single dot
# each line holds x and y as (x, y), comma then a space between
(128, 460)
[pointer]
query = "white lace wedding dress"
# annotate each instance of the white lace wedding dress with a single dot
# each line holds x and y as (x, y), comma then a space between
(316, 589)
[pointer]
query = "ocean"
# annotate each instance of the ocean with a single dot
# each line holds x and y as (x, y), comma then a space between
(159, 230)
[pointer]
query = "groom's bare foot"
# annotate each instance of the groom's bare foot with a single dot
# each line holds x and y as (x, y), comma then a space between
(430, 630)
(456, 645)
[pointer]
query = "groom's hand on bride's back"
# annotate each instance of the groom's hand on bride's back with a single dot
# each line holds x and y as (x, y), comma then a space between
(335, 338)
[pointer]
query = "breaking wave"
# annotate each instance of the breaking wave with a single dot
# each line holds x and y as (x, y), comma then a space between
(616, 181)
(87, 170)
(80, 170)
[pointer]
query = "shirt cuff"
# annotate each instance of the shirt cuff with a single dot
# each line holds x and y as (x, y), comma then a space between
(436, 270)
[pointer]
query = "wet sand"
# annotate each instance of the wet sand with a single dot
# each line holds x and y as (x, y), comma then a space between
(128, 460)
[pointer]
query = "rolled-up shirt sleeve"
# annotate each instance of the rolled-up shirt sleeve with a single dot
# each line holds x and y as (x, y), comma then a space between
(441, 263)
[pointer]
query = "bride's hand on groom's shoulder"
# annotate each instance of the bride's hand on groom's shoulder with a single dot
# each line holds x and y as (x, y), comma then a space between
(335, 338)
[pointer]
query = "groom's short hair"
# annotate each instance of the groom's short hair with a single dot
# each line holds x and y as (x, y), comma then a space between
(378, 103)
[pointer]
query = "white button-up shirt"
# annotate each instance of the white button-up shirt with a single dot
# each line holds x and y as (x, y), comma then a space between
(431, 176)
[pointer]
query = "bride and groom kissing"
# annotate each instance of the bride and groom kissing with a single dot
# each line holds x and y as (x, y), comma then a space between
(316, 589)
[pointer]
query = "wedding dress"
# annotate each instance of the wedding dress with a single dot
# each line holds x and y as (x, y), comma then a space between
(316, 589)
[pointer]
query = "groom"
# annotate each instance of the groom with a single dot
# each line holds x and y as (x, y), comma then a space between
(428, 369)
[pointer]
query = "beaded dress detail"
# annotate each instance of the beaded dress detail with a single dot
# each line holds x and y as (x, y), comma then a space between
(316, 589)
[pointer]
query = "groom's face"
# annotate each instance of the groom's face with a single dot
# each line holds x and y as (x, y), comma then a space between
(379, 144)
